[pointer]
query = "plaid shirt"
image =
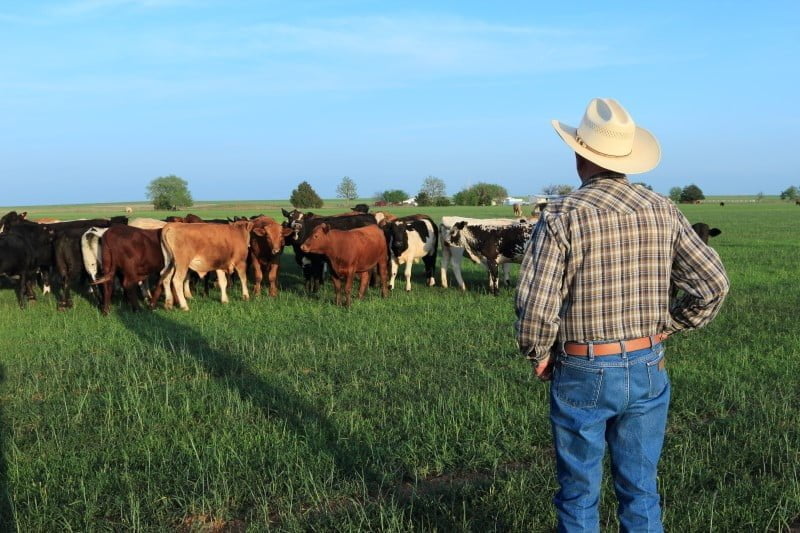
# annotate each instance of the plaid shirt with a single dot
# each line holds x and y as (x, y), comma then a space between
(599, 266)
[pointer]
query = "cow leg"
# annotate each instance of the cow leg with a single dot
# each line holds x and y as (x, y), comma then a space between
(131, 287)
(272, 276)
(222, 281)
(363, 284)
(383, 268)
(507, 274)
(445, 261)
(23, 283)
(409, 263)
(165, 284)
(108, 289)
(178, 279)
(430, 265)
(337, 286)
(348, 286)
(187, 287)
(257, 276)
(493, 275)
(457, 256)
(395, 266)
(241, 271)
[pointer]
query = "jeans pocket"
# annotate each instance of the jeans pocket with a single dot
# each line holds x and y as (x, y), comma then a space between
(657, 375)
(577, 386)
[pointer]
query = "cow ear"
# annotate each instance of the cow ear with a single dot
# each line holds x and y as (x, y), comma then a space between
(23, 214)
(325, 228)
(285, 212)
(259, 231)
(714, 232)
(286, 231)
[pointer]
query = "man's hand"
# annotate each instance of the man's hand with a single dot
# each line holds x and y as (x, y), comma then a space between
(544, 369)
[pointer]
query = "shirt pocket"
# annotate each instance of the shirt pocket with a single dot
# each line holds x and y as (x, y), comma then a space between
(577, 386)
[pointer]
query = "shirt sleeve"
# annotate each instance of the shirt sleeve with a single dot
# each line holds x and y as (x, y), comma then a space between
(539, 291)
(698, 271)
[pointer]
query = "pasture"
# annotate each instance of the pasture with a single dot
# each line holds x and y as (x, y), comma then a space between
(409, 413)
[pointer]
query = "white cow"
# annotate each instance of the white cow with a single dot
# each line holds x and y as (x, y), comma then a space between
(453, 254)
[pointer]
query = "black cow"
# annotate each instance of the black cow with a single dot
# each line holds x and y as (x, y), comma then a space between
(704, 232)
(303, 224)
(17, 259)
(39, 238)
(361, 208)
(492, 245)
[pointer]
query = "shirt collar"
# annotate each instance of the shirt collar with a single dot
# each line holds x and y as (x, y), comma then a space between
(606, 174)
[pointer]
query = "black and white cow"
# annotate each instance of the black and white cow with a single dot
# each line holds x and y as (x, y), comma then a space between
(492, 245)
(412, 238)
(90, 251)
(452, 254)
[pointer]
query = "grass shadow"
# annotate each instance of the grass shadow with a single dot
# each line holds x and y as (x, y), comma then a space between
(6, 507)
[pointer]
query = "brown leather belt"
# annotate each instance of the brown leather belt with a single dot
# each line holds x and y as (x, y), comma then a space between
(612, 348)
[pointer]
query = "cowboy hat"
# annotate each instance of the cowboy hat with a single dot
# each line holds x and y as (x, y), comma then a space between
(608, 137)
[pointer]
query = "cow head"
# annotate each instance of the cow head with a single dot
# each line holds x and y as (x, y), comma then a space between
(274, 233)
(398, 236)
(11, 218)
(317, 240)
(704, 232)
(454, 237)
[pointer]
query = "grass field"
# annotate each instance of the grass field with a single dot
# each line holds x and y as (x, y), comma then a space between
(410, 413)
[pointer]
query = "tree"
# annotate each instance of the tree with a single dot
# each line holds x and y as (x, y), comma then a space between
(347, 189)
(557, 189)
(168, 192)
(691, 193)
(759, 196)
(394, 196)
(424, 199)
(305, 196)
(643, 184)
(675, 194)
(433, 187)
(790, 194)
(480, 194)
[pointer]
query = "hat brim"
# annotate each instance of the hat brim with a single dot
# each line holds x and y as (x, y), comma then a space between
(644, 156)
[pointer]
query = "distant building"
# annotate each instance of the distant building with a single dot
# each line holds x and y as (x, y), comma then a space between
(510, 200)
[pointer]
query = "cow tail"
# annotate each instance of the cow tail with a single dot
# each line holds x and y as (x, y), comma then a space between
(109, 268)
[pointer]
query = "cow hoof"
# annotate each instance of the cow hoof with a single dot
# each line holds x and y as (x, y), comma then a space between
(246, 298)
(408, 290)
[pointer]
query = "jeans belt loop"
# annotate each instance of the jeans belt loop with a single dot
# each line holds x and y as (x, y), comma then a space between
(624, 352)
(590, 348)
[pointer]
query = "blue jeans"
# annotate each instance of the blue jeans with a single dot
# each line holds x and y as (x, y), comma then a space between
(621, 400)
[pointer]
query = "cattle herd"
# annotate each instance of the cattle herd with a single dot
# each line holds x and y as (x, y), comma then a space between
(145, 257)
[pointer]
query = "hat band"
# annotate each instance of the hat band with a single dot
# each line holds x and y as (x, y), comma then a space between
(582, 143)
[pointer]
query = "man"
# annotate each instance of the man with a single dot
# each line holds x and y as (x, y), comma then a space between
(593, 311)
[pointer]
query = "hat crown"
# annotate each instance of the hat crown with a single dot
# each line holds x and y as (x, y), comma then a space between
(607, 128)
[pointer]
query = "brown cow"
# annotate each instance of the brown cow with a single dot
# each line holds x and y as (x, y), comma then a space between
(266, 247)
(203, 248)
(517, 210)
(135, 254)
(351, 252)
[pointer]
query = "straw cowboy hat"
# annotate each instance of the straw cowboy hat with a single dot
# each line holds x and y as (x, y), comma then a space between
(608, 137)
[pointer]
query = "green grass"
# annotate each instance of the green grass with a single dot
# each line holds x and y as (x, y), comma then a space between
(410, 413)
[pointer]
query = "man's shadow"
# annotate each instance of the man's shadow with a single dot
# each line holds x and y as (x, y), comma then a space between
(6, 514)
(351, 459)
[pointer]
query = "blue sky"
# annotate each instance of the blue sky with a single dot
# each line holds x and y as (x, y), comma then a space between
(245, 99)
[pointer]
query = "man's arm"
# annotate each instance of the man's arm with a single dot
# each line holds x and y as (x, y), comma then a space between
(539, 291)
(698, 271)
